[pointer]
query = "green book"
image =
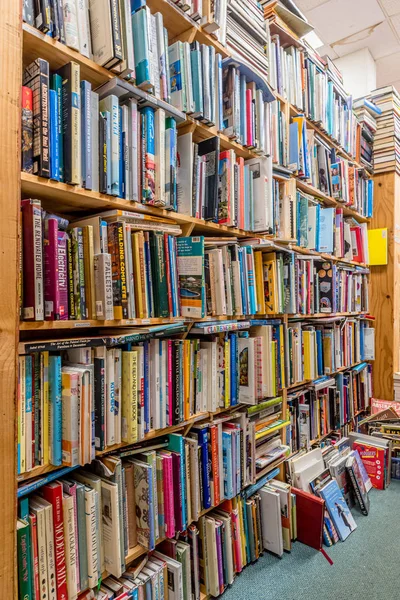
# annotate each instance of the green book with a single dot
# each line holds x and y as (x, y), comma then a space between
(24, 560)
(159, 274)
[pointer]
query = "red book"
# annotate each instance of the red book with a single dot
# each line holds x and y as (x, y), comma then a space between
(310, 518)
(51, 283)
(32, 261)
(215, 463)
(168, 495)
(168, 272)
(249, 118)
(240, 216)
(35, 557)
(374, 462)
(53, 493)
(357, 243)
(170, 386)
(177, 487)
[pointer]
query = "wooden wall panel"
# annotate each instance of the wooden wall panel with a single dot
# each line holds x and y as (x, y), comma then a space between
(10, 119)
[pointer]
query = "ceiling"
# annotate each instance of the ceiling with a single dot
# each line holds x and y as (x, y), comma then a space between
(349, 25)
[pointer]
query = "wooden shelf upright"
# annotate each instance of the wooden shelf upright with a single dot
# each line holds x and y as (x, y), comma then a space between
(10, 185)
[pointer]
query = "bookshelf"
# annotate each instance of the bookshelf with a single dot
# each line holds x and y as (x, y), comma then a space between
(22, 40)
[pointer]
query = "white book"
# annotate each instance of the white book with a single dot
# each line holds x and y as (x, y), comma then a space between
(261, 169)
(127, 67)
(175, 579)
(369, 343)
(71, 24)
(82, 15)
(86, 406)
(154, 385)
(205, 63)
(101, 31)
(271, 521)
(93, 558)
(95, 141)
(184, 173)
(117, 393)
(188, 78)
(212, 556)
(161, 56)
(160, 158)
(70, 546)
(228, 283)
(103, 287)
(39, 511)
(153, 51)
(140, 383)
(93, 481)
(70, 418)
(133, 138)
(247, 356)
(220, 303)
(110, 399)
(110, 103)
(176, 68)
(130, 277)
(50, 549)
(212, 379)
(111, 527)
(237, 292)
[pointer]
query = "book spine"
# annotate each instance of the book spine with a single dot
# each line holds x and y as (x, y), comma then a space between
(55, 392)
(159, 274)
(54, 172)
(99, 401)
(72, 314)
(37, 75)
(103, 287)
(86, 135)
(62, 259)
(148, 156)
(70, 545)
(356, 489)
(129, 397)
(116, 31)
(72, 123)
(82, 541)
(27, 129)
(24, 562)
(51, 290)
(32, 261)
(70, 420)
(35, 557)
(53, 494)
(80, 275)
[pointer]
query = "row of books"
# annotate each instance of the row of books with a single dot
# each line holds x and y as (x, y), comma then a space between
(320, 286)
(80, 400)
(318, 349)
(317, 163)
(328, 405)
(387, 137)
(366, 113)
(123, 36)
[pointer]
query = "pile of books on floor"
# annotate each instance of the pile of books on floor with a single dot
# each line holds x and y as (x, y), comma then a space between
(387, 137)
(367, 113)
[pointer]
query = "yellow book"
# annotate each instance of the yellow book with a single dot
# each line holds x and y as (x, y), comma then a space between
(137, 276)
(44, 406)
(280, 425)
(378, 246)
(270, 283)
(129, 397)
(242, 533)
(186, 381)
(273, 362)
(21, 416)
(259, 277)
(227, 357)
(307, 355)
(88, 258)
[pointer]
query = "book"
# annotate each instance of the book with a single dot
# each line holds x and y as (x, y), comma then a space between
(338, 510)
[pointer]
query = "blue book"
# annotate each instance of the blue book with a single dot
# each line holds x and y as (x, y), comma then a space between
(148, 155)
(197, 78)
(110, 103)
(56, 85)
(242, 285)
(170, 159)
(82, 546)
(338, 510)
(320, 353)
(136, 5)
(121, 193)
(107, 127)
(202, 438)
(55, 410)
(251, 280)
(86, 134)
(23, 509)
(370, 197)
(54, 140)
(234, 372)
(326, 230)
(28, 404)
(176, 443)
(227, 464)
(141, 43)
(246, 531)
(294, 155)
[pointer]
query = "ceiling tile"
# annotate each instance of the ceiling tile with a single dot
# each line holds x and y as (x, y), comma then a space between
(337, 19)
(329, 51)
(396, 23)
(392, 7)
(380, 40)
(305, 5)
(388, 69)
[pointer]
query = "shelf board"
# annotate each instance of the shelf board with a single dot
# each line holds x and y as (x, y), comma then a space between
(329, 201)
(329, 375)
(324, 256)
(71, 324)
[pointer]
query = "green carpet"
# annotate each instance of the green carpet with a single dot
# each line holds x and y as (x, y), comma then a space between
(366, 565)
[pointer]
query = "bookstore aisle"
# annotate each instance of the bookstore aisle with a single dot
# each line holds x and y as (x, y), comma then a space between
(187, 327)
(363, 569)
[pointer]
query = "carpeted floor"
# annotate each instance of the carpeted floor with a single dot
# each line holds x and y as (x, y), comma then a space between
(366, 565)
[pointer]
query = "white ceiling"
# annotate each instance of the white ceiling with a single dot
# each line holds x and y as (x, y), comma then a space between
(349, 25)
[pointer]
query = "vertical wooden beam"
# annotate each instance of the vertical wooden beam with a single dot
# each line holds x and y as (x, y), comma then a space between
(10, 120)
(385, 286)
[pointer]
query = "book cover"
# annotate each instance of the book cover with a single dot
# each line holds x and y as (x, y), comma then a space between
(338, 510)
(71, 111)
(36, 77)
(86, 134)
(358, 485)
(191, 276)
(142, 44)
(27, 130)
(110, 105)
(32, 259)
(143, 480)
(374, 460)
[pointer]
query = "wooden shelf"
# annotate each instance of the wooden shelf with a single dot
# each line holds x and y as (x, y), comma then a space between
(328, 375)
(325, 256)
(71, 324)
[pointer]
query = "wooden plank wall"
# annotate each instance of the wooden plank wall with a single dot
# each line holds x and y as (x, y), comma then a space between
(385, 286)
(10, 119)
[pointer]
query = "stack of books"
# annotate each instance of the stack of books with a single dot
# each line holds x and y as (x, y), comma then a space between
(366, 113)
(387, 137)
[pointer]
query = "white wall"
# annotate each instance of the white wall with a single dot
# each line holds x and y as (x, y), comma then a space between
(359, 72)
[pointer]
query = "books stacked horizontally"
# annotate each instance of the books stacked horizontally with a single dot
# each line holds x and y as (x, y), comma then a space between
(328, 404)
(246, 36)
(314, 161)
(387, 137)
(74, 401)
(367, 113)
